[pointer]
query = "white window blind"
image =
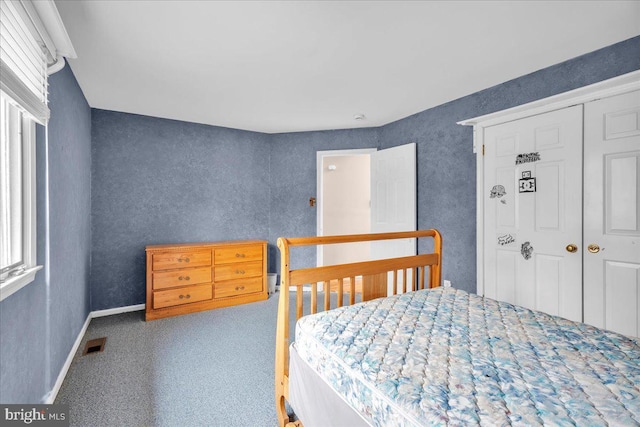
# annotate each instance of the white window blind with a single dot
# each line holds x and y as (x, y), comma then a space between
(23, 61)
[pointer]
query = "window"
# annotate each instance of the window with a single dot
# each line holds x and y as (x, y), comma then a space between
(34, 43)
(17, 198)
(23, 101)
(11, 209)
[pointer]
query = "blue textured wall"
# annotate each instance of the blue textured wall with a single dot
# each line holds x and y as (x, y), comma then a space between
(70, 214)
(293, 182)
(23, 344)
(162, 181)
(39, 323)
(446, 164)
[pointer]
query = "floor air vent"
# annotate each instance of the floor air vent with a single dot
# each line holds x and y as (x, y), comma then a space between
(94, 346)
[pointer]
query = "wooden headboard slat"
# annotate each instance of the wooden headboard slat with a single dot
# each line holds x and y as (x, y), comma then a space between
(306, 276)
(350, 238)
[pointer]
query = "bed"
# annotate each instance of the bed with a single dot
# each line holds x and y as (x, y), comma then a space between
(429, 356)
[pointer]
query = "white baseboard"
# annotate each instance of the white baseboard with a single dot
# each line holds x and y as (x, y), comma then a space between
(50, 397)
(117, 310)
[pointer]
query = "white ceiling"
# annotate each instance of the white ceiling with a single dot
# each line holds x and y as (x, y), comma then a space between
(282, 66)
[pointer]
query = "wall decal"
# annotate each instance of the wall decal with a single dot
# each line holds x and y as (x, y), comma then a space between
(497, 191)
(506, 239)
(527, 183)
(527, 158)
(503, 201)
(526, 250)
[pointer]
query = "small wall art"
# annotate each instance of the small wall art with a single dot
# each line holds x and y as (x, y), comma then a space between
(527, 183)
(526, 250)
(497, 191)
(506, 239)
(527, 158)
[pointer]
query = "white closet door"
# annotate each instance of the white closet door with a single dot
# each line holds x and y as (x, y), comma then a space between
(612, 214)
(533, 212)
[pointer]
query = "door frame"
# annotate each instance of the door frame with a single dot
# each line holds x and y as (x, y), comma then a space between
(320, 155)
(606, 88)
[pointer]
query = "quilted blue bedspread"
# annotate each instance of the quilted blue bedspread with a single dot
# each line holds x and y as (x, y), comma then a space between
(446, 357)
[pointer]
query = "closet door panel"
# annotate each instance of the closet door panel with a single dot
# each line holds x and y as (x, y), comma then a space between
(622, 297)
(533, 210)
(549, 206)
(549, 289)
(621, 213)
(612, 213)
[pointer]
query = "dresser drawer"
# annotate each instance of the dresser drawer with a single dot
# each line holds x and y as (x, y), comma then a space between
(179, 296)
(238, 287)
(182, 277)
(182, 259)
(237, 271)
(237, 254)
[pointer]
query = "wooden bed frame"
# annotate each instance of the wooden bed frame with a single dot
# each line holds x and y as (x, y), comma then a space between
(374, 276)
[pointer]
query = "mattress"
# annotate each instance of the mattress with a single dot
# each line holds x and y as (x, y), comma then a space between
(446, 357)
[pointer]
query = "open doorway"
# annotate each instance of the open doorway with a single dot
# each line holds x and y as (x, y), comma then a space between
(344, 202)
(367, 191)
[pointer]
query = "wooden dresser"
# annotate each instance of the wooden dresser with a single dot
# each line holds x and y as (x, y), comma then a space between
(189, 277)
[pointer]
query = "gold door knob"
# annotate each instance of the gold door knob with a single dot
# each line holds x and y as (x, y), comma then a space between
(593, 248)
(571, 248)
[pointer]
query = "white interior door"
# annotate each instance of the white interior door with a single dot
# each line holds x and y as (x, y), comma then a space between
(612, 214)
(533, 212)
(393, 199)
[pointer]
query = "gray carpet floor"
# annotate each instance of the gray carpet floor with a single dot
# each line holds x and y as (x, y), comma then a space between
(214, 368)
